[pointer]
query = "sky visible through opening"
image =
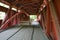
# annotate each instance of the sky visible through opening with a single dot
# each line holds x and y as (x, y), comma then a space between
(33, 17)
(2, 15)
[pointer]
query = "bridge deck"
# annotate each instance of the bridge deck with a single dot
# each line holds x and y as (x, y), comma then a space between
(23, 33)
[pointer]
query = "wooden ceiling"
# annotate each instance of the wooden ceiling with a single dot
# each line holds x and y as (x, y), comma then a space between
(30, 6)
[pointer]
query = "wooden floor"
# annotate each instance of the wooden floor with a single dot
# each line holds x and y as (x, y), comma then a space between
(23, 33)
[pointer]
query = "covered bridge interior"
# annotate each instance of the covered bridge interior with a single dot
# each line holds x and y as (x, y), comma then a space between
(29, 20)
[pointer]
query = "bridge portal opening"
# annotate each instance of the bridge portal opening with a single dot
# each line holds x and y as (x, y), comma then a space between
(33, 17)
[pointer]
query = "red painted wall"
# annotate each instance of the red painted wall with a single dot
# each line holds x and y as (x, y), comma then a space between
(57, 7)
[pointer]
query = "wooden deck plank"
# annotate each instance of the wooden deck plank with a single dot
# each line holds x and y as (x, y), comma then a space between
(39, 35)
(6, 34)
(23, 34)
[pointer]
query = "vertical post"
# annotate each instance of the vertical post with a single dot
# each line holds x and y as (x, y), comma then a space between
(42, 20)
(55, 22)
(18, 17)
(48, 18)
(14, 21)
(10, 15)
(0, 22)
